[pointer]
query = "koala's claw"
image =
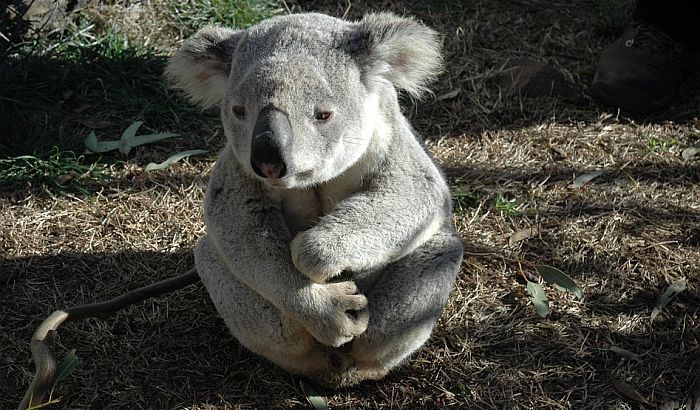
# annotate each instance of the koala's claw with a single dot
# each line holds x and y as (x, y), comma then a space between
(341, 313)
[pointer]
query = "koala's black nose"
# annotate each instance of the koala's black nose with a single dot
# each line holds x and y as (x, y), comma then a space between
(271, 136)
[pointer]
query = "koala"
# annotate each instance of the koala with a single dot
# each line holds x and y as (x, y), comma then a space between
(330, 248)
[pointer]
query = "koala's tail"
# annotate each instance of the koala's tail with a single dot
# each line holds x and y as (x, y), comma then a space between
(42, 340)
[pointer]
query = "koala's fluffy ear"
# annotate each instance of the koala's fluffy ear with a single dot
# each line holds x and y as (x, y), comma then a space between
(201, 67)
(397, 49)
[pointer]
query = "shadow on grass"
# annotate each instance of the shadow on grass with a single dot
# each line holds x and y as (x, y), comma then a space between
(573, 364)
(168, 352)
(56, 92)
(643, 171)
(163, 353)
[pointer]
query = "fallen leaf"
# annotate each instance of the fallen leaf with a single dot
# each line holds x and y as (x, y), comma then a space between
(531, 78)
(130, 140)
(675, 288)
(149, 138)
(127, 135)
(538, 298)
(691, 151)
(318, 402)
(583, 179)
(62, 179)
(449, 95)
(67, 365)
(93, 145)
(522, 234)
(627, 391)
(625, 353)
(559, 279)
(173, 159)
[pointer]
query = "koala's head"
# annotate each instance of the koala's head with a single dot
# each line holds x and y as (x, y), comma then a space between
(300, 95)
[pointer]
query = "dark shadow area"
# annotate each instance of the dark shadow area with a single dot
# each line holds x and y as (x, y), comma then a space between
(176, 342)
(512, 345)
(483, 40)
(57, 88)
(674, 175)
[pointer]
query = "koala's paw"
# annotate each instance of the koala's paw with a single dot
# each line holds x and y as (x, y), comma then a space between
(334, 313)
(314, 258)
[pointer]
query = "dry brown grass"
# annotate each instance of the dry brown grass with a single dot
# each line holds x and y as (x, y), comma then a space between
(623, 237)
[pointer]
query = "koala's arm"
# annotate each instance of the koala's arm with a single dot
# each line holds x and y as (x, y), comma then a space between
(247, 233)
(405, 203)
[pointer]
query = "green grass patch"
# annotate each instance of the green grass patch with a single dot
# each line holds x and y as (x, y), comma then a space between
(63, 170)
(463, 197)
(508, 206)
(193, 15)
(661, 144)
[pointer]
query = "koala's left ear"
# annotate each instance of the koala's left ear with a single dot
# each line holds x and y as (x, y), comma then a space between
(396, 49)
(201, 67)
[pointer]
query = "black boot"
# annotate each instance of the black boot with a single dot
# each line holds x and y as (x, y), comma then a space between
(640, 72)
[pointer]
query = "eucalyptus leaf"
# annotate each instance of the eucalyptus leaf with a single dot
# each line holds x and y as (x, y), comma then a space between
(583, 179)
(538, 298)
(449, 95)
(675, 288)
(625, 353)
(149, 138)
(128, 134)
(98, 147)
(130, 140)
(67, 365)
(522, 235)
(628, 391)
(559, 279)
(316, 400)
(173, 159)
(691, 151)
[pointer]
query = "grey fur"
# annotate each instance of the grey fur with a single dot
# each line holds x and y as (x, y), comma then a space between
(361, 221)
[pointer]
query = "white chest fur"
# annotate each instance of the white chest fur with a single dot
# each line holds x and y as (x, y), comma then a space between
(303, 207)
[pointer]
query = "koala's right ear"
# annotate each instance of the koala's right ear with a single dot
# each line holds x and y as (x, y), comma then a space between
(201, 67)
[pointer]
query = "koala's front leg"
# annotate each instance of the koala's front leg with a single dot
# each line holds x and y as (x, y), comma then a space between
(247, 234)
(401, 209)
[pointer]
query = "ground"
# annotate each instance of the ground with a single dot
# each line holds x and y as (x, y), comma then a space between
(76, 229)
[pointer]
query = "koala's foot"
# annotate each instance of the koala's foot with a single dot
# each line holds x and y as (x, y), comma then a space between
(343, 371)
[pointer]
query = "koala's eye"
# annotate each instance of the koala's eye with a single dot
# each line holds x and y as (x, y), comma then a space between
(238, 111)
(323, 116)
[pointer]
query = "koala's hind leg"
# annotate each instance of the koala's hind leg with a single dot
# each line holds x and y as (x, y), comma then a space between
(404, 304)
(260, 327)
